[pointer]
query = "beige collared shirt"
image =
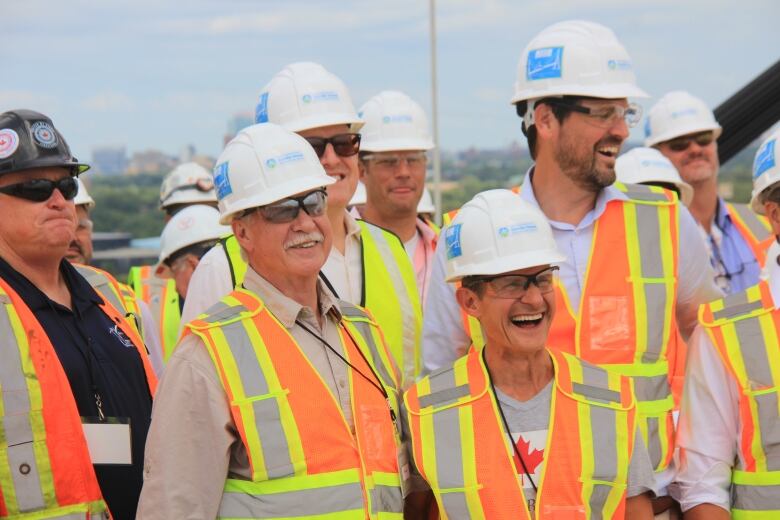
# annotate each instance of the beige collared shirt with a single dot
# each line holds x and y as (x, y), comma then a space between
(193, 443)
(345, 272)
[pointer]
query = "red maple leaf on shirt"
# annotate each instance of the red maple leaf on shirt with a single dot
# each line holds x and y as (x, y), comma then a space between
(532, 459)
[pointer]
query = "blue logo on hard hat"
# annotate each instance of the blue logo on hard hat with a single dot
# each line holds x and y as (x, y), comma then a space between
(261, 110)
(765, 158)
(452, 241)
(544, 63)
(515, 229)
(43, 134)
(619, 65)
(221, 180)
(271, 163)
(684, 112)
(647, 127)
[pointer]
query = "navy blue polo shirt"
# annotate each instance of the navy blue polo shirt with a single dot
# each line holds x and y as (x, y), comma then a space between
(117, 371)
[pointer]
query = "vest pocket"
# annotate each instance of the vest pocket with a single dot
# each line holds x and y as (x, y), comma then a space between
(609, 322)
(766, 404)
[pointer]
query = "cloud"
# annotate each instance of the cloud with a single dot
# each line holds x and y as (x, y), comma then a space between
(109, 102)
(13, 99)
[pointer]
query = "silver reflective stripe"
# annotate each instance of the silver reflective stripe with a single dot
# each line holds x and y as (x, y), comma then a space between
(733, 311)
(751, 220)
(221, 311)
(17, 429)
(300, 504)
(387, 499)
(755, 498)
(592, 392)
(757, 367)
(651, 388)
(276, 453)
(365, 330)
(156, 289)
(442, 396)
(391, 268)
(102, 285)
(649, 238)
(449, 451)
(643, 193)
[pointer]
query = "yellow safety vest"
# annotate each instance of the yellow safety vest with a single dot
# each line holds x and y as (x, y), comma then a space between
(389, 293)
(163, 300)
(460, 446)
(305, 460)
(745, 330)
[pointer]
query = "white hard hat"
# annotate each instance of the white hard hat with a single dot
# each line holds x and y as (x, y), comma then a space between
(648, 165)
(82, 197)
(678, 113)
(192, 225)
(426, 202)
(766, 170)
(498, 232)
(394, 121)
(263, 164)
(575, 58)
(360, 196)
(188, 183)
(304, 95)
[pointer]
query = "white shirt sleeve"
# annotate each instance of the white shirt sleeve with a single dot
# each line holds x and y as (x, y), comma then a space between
(151, 337)
(695, 277)
(708, 428)
(210, 281)
(444, 338)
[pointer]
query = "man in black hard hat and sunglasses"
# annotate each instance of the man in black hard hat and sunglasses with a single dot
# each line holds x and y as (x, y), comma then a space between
(75, 381)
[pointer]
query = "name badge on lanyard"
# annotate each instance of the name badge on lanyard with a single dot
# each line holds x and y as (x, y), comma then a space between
(109, 441)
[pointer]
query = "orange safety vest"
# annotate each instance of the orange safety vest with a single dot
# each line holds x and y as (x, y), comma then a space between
(626, 318)
(460, 446)
(304, 458)
(745, 330)
(45, 467)
(755, 229)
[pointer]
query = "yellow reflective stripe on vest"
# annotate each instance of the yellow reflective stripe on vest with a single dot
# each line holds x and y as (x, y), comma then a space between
(21, 423)
(391, 295)
(132, 308)
(232, 250)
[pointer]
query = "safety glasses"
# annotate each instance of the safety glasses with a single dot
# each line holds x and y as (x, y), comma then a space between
(604, 116)
(680, 144)
(345, 145)
(284, 211)
(515, 286)
(39, 190)
(393, 161)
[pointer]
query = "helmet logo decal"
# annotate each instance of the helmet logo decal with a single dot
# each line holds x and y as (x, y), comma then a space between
(765, 158)
(400, 118)
(261, 110)
(9, 142)
(289, 157)
(544, 63)
(44, 135)
(452, 241)
(684, 112)
(648, 130)
(515, 229)
(222, 181)
(323, 95)
(619, 65)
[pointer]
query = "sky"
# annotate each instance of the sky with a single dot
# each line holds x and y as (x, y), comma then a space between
(156, 74)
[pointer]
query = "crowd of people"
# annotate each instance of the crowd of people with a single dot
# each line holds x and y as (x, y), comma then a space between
(602, 341)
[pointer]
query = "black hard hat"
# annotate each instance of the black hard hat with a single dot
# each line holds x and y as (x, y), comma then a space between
(28, 139)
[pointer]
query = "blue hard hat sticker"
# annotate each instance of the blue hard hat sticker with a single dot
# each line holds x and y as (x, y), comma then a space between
(44, 135)
(261, 110)
(222, 180)
(765, 158)
(452, 241)
(544, 63)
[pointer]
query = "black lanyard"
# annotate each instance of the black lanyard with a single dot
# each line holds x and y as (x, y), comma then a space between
(505, 423)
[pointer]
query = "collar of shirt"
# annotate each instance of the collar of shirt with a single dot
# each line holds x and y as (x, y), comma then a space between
(82, 294)
(605, 196)
(284, 308)
(773, 269)
(353, 229)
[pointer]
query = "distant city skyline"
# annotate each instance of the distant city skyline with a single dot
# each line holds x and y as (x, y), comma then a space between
(150, 75)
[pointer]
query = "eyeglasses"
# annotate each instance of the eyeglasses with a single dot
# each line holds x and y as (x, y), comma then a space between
(516, 285)
(313, 203)
(345, 145)
(84, 224)
(39, 190)
(605, 116)
(680, 144)
(393, 161)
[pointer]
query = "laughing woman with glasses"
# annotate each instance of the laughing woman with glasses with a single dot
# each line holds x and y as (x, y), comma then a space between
(75, 379)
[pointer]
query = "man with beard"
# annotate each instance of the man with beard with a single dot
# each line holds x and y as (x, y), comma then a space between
(633, 271)
(684, 129)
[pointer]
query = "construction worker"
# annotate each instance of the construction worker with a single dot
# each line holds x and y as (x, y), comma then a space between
(649, 166)
(187, 184)
(633, 272)
(367, 266)
(75, 382)
(684, 129)
(80, 252)
(280, 400)
(727, 433)
(493, 435)
(393, 165)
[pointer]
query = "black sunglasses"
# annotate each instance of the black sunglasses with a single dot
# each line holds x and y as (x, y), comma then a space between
(39, 190)
(680, 144)
(287, 210)
(345, 145)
